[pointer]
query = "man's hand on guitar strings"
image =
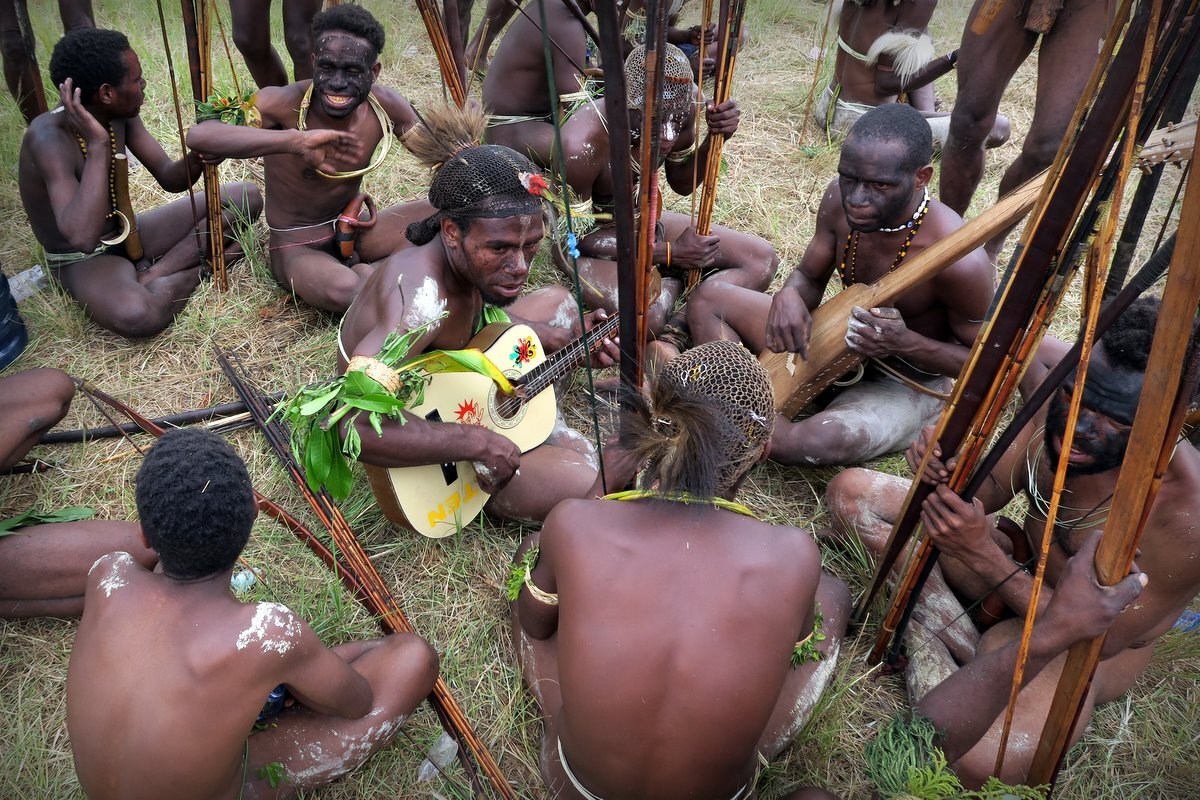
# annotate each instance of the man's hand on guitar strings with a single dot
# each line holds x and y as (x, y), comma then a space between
(607, 352)
(788, 323)
(877, 333)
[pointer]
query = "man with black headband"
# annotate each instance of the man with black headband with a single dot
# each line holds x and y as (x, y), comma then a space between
(727, 258)
(875, 215)
(468, 269)
(989, 559)
(318, 138)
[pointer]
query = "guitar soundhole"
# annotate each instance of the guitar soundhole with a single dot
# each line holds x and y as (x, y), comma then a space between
(506, 410)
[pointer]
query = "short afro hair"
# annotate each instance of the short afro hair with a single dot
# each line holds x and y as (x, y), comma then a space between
(1127, 341)
(897, 122)
(351, 19)
(196, 503)
(90, 57)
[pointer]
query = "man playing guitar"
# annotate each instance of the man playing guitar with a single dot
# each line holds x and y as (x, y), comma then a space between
(472, 259)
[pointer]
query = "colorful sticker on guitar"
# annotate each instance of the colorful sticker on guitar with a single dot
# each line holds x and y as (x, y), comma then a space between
(523, 351)
(469, 413)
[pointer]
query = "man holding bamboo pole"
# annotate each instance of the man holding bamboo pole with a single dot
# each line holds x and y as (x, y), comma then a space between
(218, 669)
(877, 213)
(726, 258)
(132, 273)
(318, 139)
(985, 560)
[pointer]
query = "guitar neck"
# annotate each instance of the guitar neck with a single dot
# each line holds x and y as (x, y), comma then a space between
(569, 357)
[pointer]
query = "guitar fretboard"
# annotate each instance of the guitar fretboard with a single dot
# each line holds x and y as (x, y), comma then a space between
(569, 357)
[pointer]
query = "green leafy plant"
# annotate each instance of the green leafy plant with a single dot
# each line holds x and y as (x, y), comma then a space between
(516, 574)
(807, 650)
(231, 109)
(273, 773)
(31, 517)
(316, 413)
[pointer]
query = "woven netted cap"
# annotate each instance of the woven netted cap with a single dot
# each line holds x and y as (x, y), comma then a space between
(730, 376)
(679, 88)
(476, 182)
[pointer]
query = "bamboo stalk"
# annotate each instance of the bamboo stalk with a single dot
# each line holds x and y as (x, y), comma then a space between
(993, 364)
(452, 78)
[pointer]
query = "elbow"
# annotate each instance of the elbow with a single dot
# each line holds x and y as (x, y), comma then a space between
(83, 243)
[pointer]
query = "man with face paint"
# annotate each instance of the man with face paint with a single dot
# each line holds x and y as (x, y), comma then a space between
(875, 215)
(468, 268)
(989, 559)
(317, 139)
(725, 257)
(70, 161)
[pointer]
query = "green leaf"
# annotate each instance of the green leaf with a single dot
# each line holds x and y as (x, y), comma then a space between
(315, 405)
(32, 517)
(357, 383)
(368, 404)
(318, 458)
(459, 361)
(352, 444)
(377, 424)
(341, 479)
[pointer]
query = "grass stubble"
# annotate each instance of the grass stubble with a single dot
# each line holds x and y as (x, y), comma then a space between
(1143, 745)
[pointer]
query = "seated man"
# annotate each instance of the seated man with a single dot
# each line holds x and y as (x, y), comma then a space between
(884, 51)
(472, 259)
(68, 179)
(672, 640)
(44, 568)
(515, 90)
(207, 662)
(957, 713)
(317, 138)
(978, 552)
(875, 214)
(727, 258)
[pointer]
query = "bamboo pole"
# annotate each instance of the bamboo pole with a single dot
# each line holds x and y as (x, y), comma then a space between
(649, 282)
(1156, 426)
(453, 78)
(722, 88)
(1000, 354)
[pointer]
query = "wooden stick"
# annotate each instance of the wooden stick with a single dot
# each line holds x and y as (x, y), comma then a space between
(452, 78)
(30, 47)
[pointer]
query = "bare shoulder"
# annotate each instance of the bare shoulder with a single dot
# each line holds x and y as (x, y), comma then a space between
(280, 105)
(1177, 507)
(271, 628)
(395, 104)
(47, 135)
(111, 573)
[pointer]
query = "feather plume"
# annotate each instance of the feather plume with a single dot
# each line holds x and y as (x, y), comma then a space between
(444, 131)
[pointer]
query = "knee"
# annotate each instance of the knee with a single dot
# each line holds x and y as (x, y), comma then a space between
(763, 263)
(58, 388)
(970, 124)
(299, 43)
(1001, 131)
(12, 47)
(338, 291)
(1040, 148)
(702, 303)
(249, 43)
(415, 659)
(829, 443)
(845, 493)
(50, 392)
(135, 318)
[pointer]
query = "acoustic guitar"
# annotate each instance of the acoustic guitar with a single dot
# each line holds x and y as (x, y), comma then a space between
(437, 500)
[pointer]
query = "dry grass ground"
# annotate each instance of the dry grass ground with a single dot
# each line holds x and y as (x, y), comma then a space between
(1142, 746)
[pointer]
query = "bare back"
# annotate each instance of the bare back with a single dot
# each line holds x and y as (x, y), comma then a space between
(516, 79)
(675, 633)
(182, 682)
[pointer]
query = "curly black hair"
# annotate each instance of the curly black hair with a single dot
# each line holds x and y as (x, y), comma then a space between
(90, 57)
(196, 503)
(351, 19)
(1127, 341)
(897, 122)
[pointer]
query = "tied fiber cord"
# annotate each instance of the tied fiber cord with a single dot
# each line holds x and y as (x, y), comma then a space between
(377, 597)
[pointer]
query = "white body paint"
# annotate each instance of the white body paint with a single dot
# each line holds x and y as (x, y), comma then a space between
(426, 306)
(114, 579)
(274, 629)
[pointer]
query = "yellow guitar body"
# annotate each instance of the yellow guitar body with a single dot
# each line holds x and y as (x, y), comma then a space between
(440, 499)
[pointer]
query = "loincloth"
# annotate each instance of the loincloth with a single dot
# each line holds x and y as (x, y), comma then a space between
(496, 120)
(57, 261)
(838, 116)
(741, 793)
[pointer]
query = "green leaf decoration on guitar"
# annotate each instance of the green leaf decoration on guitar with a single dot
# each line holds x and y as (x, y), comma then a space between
(379, 387)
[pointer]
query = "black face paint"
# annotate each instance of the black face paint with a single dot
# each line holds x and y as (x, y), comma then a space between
(342, 72)
(1108, 406)
(875, 192)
